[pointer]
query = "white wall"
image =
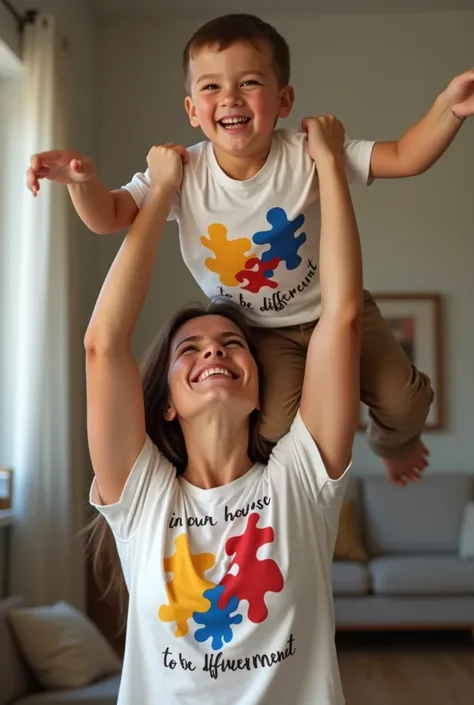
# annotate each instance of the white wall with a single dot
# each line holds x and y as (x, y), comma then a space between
(378, 74)
(9, 35)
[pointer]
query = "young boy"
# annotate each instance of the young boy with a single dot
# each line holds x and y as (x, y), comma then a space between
(249, 220)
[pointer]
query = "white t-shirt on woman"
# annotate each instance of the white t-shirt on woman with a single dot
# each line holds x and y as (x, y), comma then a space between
(230, 588)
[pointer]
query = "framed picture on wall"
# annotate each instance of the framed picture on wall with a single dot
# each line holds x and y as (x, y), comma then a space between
(416, 322)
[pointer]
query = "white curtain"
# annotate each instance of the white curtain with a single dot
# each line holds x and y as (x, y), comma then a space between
(47, 561)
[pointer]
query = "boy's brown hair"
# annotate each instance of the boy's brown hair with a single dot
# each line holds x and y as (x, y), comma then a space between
(230, 29)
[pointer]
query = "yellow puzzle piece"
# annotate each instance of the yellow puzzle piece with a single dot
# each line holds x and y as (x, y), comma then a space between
(230, 257)
(185, 589)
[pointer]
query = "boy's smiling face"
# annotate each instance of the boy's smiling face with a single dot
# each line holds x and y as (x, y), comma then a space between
(235, 98)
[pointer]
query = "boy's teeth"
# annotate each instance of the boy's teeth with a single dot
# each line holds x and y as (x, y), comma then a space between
(234, 122)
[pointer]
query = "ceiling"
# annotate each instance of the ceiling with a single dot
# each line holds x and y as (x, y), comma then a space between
(137, 8)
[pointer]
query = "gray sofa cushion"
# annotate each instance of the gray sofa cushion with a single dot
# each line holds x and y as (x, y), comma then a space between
(349, 578)
(402, 612)
(422, 575)
(103, 693)
(421, 518)
(15, 677)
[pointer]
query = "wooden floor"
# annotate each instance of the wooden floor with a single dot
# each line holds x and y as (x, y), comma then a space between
(406, 671)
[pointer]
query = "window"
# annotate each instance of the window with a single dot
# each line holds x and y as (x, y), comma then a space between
(12, 169)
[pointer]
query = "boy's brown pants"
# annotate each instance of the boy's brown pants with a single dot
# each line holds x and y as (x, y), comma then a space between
(397, 394)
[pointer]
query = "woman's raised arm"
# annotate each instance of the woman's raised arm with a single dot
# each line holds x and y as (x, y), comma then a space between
(115, 408)
(330, 397)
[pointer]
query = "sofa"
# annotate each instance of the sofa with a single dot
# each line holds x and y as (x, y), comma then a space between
(408, 572)
(19, 687)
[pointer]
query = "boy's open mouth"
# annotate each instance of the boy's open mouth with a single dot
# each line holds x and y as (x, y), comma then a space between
(234, 123)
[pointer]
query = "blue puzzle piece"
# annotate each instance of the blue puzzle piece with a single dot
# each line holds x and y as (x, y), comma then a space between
(282, 239)
(217, 622)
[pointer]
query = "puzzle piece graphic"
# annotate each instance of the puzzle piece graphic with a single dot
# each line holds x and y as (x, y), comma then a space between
(282, 238)
(230, 255)
(217, 621)
(255, 577)
(257, 278)
(185, 590)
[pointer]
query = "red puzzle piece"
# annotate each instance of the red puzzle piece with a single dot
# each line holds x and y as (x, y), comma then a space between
(255, 577)
(256, 278)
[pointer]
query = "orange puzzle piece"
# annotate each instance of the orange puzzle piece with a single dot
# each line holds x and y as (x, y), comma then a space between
(230, 255)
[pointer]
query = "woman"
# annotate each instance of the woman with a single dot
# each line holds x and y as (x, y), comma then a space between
(227, 559)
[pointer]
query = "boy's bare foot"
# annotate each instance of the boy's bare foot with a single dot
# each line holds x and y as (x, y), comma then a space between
(407, 469)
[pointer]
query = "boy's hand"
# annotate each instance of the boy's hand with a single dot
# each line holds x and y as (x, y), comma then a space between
(325, 136)
(165, 165)
(59, 165)
(460, 94)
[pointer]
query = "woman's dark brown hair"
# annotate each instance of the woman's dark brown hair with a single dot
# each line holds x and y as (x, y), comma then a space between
(166, 435)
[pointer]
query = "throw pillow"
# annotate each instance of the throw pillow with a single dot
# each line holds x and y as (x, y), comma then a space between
(62, 646)
(349, 546)
(16, 681)
(466, 543)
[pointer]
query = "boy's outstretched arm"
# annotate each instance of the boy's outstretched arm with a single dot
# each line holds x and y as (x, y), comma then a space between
(102, 210)
(425, 142)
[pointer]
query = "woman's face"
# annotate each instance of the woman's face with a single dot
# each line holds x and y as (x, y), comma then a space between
(210, 363)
